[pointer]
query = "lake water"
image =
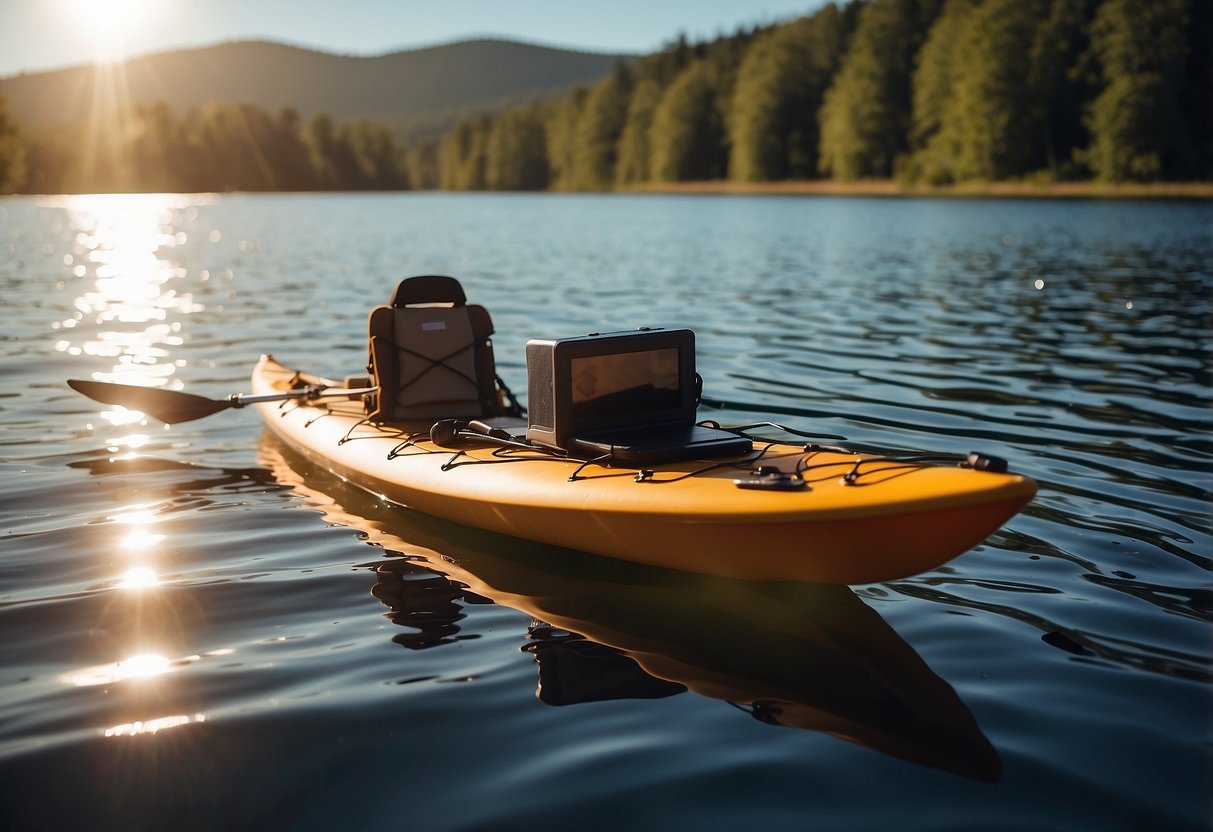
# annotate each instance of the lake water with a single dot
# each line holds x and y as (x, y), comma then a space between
(199, 631)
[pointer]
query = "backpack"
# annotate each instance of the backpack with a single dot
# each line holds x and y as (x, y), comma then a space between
(432, 358)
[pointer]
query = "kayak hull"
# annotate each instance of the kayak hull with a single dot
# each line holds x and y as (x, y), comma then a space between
(893, 520)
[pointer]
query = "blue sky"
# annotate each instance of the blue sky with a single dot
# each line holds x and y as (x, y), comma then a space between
(46, 34)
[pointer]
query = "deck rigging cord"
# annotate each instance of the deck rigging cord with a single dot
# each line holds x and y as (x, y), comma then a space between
(448, 433)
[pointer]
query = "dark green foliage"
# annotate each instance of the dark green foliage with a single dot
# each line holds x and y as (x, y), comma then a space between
(936, 91)
(687, 137)
(236, 148)
(1058, 77)
(993, 119)
(598, 130)
(463, 156)
(12, 153)
(422, 166)
(560, 127)
(998, 91)
(936, 72)
(773, 123)
(517, 152)
(865, 118)
(1136, 124)
(634, 152)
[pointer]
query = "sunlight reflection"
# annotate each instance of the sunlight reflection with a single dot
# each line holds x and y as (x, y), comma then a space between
(138, 577)
(151, 726)
(138, 513)
(130, 314)
(140, 539)
(119, 415)
(141, 666)
(134, 441)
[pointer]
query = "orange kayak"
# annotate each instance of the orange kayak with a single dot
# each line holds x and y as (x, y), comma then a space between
(851, 518)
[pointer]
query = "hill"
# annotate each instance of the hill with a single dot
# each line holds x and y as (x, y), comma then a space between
(400, 88)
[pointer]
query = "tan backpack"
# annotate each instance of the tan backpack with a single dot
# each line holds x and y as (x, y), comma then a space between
(431, 356)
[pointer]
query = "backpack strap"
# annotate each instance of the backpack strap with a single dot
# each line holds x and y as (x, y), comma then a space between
(431, 355)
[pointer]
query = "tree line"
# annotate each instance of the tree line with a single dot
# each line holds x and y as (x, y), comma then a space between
(925, 91)
(237, 147)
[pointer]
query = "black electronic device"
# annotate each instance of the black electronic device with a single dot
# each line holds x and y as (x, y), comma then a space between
(630, 396)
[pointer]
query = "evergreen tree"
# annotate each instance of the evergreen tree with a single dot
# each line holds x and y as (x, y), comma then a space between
(12, 153)
(517, 152)
(422, 162)
(462, 156)
(634, 152)
(598, 129)
(1196, 96)
(378, 161)
(560, 127)
(687, 139)
(321, 140)
(291, 158)
(933, 84)
(52, 162)
(1135, 122)
(663, 67)
(780, 87)
(1057, 76)
(865, 117)
(994, 119)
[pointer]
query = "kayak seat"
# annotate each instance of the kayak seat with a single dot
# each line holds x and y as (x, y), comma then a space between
(431, 356)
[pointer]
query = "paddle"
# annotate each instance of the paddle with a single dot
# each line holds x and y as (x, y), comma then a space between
(173, 406)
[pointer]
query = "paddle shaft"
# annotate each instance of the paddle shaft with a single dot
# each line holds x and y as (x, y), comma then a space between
(311, 392)
(173, 406)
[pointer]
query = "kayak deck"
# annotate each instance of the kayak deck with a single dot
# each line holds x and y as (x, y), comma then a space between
(859, 520)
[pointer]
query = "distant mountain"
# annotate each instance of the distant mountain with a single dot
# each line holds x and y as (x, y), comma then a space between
(402, 88)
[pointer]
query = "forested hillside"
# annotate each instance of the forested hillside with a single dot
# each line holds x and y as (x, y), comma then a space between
(932, 92)
(925, 91)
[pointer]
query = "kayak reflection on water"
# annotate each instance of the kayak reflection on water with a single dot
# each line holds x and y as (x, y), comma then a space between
(809, 656)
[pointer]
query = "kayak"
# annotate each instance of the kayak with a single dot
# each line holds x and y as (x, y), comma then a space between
(783, 512)
(801, 656)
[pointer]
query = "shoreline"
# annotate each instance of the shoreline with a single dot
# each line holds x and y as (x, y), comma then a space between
(810, 187)
(892, 188)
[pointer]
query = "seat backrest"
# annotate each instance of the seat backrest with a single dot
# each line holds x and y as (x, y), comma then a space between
(431, 355)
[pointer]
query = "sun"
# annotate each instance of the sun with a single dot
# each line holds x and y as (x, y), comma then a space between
(108, 23)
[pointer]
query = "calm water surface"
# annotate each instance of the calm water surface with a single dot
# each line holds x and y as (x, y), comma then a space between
(201, 631)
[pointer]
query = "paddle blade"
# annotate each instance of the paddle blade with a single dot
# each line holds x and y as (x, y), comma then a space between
(168, 406)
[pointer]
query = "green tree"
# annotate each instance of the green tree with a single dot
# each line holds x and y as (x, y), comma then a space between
(462, 156)
(517, 152)
(687, 139)
(322, 142)
(422, 162)
(378, 163)
(936, 72)
(52, 162)
(994, 119)
(12, 153)
(1196, 97)
(292, 161)
(599, 126)
(1135, 122)
(560, 127)
(664, 66)
(157, 143)
(865, 117)
(1057, 77)
(781, 83)
(633, 160)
